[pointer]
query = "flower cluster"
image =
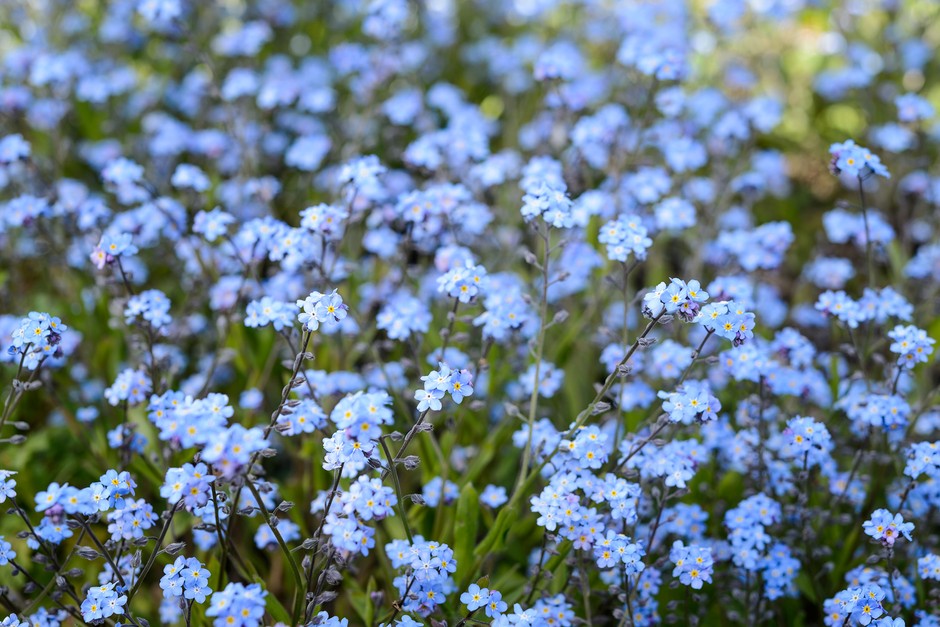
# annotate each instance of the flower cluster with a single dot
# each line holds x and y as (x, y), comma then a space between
(912, 345)
(887, 528)
(693, 564)
(190, 484)
(37, 338)
(151, 306)
(186, 578)
(874, 306)
(111, 247)
(130, 386)
(265, 311)
(490, 600)
(616, 549)
(693, 402)
(318, 308)
(369, 499)
(862, 605)
(855, 161)
(677, 298)
(102, 602)
(238, 604)
(428, 568)
(549, 200)
(338, 281)
(625, 236)
(437, 383)
(463, 282)
(808, 441)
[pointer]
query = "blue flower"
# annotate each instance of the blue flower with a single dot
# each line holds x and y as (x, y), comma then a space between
(475, 597)
(855, 161)
(887, 528)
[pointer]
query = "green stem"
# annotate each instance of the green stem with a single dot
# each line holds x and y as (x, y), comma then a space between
(295, 570)
(539, 350)
(153, 554)
(695, 356)
(401, 500)
(318, 534)
(868, 247)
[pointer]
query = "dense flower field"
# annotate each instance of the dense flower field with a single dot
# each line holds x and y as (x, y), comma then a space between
(469, 312)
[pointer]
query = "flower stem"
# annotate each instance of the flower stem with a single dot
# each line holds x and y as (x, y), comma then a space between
(539, 350)
(868, 247)
(401, 501)
(295, 570)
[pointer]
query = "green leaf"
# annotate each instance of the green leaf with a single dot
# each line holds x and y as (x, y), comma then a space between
(496, 531)
(465, 532)
(806, 586)
(559, 568)
(359, 599)
(730, 486)
(276, 608)
(370, 608)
